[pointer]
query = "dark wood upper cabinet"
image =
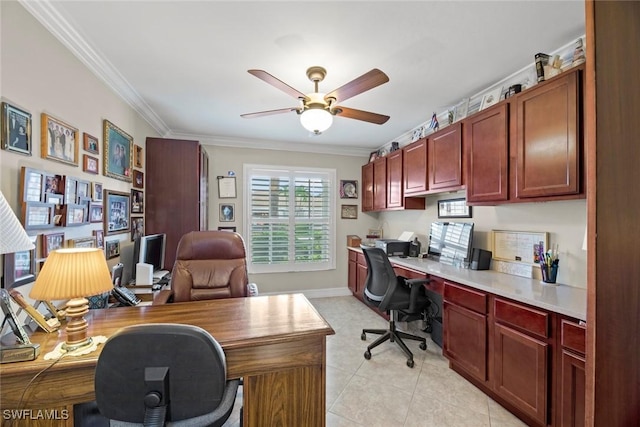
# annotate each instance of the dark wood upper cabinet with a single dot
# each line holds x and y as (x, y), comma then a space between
(548, 138)
(415, 168)
(394, 180)
(486, 137)
(380, 184)
(367, 187)
(445, 159)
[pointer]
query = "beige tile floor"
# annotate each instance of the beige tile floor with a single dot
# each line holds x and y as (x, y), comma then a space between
(385, 392)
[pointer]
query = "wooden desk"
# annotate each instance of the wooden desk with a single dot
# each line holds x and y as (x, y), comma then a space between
(276, 343)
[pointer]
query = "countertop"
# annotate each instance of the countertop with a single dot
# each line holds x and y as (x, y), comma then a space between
(562, 299)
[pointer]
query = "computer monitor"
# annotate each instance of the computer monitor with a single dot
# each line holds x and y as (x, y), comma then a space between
(451, 242)
(150, 250)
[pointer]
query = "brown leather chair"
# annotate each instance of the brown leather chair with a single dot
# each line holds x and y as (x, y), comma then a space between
(209, 265)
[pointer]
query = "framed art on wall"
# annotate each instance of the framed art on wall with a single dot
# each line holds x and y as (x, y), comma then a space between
(137, 201)
(51, 242)
(227, 212)
(59, 140)
(137, 156)
(20, 267)
(16, 129)
(89, 164)
(138, 179)
(454, 208)
(349, 212)
(118, 152)
(99, 235)
(348, 189)
(95, 213)
(137, 228)
(90, 143)
(37, 215)
(96, 191)
(112, 248)
(226, 187)
(116, 212)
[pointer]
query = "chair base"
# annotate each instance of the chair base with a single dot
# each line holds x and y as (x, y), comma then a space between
(393, 335)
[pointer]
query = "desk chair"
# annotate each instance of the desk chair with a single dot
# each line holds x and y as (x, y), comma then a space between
(393, 294)
(160, 372)
(209, 265)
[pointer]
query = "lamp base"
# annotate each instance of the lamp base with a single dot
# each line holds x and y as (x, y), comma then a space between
(63, 349)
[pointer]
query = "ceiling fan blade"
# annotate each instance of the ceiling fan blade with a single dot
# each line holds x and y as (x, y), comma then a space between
(268, 113)
(263, 75)
(361, 84)
(365, 116)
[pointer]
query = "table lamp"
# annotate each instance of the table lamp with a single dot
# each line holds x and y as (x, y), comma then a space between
(73, 274)
(13, 238)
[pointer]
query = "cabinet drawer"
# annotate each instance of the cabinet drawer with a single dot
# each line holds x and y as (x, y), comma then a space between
(525, 318)
(465, 297)
(360, 259)
(573, 336)
(353, 256)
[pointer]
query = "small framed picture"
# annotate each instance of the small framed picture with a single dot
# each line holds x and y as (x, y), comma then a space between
(349, 212)
(59, 140)
(227, 212)
(491, 98)
(74, 215)
(348, 189)
(90, 143)
(96, 191)
(83, 242)
(137, 228)
(226, 187)
(138, 179)
(137, 201)
(70, 189)
(51, 242)
(54, 199)
(373, 156)
(31, 182)
(86, 203)
(16, 129)
(37, 215)
(460, 110)
(99, 235)
(112, 248)
(454, 208)
(116, 212)
(95, 212)
(89, 164)
(20, 267)
(137, 156)
(82, 189)
(227, 229)
(53, 184)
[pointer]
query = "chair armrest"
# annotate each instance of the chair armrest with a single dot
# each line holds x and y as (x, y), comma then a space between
(162, 297)
(417, 290)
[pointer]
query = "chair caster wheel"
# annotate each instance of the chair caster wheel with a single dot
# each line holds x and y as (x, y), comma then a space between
(423, 346)
(410, 363)
(363, 337)
(367, 355)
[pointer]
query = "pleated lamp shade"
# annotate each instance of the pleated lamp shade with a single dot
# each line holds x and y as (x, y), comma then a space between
(13, 238)
(72, 273)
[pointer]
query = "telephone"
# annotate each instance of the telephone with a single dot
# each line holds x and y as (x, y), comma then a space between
(121, 293)
(49, 325)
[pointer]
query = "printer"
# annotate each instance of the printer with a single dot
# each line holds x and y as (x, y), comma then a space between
(393, 247)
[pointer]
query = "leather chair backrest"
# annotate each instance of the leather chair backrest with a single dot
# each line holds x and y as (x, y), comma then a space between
(209, 265)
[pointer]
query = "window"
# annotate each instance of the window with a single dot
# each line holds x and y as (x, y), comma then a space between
(290, 218)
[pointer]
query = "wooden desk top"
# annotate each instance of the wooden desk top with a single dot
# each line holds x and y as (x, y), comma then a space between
(237, 324)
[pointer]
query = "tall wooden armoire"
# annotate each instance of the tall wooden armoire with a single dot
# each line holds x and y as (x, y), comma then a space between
(176, 193)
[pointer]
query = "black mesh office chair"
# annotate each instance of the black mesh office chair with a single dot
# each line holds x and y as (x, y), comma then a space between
(393, 294)
(154, 373)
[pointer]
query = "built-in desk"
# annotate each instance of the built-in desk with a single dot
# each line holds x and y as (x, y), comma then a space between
(276, 343)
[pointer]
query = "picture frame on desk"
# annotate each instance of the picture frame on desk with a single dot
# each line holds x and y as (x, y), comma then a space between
(59, 140)
(117, 153)
(116, 212)
(15, 125)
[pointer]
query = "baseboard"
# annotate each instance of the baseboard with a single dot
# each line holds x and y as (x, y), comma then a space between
(316, 293)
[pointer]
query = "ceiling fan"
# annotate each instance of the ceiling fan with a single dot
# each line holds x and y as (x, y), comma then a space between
(317, 109)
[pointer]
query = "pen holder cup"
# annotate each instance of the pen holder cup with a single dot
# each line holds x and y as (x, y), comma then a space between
(549, 273)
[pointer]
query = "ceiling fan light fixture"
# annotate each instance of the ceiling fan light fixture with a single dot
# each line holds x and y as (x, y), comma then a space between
(316, 120)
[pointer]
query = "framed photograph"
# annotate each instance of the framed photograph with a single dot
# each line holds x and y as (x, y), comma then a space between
(16, 129)
(83, 190)
(137, 202)
(59, 140)
(90, 143)
(491, 98)
(51, 242)
(112, 248)
(373, 156)
(227, 229)
(226, 187)
(37, 215)
(454, 208)
(118, 151)
(82, 242)
(99, 235)
(348, 189)
(349, 212)
(138, 179)
(55, 199)
(31, 182)
(137, 227)
(137, 156)
(89, 164)
(53, 184)
(116, 212)
(95, 212)
(227, 212)
(20, 267)
(75, 215)
(96, 191)
(70, 189)
(460, 110)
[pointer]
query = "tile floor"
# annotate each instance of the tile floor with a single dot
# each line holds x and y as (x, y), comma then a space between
(385, 392)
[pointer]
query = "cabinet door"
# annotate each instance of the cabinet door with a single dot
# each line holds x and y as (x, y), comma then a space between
(465, 339)
(572, 390)
(445, 159)
(380, 184)
(352, 282)
(520, 371)
(394, 180)
(548, 139)
(486, 140)
(361, 277)
(415, 167)
(367, 187)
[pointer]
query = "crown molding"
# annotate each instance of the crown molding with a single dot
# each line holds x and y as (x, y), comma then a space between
(47, 14)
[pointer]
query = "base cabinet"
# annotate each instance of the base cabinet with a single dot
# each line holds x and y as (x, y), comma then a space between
(465, 339)
(572, 379)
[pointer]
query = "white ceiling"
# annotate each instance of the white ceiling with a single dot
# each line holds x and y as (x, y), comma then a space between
(183, 64)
